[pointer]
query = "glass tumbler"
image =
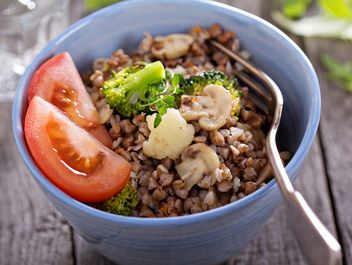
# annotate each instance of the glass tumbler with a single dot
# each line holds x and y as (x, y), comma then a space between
(25, 27)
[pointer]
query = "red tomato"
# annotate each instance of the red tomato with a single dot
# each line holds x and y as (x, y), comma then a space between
(71, 158)
(59, 82)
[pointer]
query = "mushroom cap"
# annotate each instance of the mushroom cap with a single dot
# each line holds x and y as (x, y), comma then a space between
(172, 46)
(212, 108)
(197, 160)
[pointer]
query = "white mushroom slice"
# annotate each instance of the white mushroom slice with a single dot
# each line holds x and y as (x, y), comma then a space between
(197, 160)
(171, 46)
(212, 108)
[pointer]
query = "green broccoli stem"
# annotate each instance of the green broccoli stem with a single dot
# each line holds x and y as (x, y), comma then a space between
(139, 81)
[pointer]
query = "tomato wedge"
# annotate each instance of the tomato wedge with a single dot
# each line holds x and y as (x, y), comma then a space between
(70, 157)
(59, 82)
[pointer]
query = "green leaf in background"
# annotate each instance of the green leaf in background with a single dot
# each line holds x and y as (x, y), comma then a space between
(337, 8)
(334, 21)
(295, 8)
(316, 26)
(96, 4)
(338, 72)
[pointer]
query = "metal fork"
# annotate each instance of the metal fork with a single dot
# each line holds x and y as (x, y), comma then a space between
(317, 244)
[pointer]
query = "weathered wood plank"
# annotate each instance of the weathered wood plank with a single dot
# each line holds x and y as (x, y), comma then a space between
(86, 255)
(31, 231)
(336, 132)
(252, 6)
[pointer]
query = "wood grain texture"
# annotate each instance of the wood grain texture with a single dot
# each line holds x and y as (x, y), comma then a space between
(336, 132)
(253, 6)
(86, 255)
(31, 231)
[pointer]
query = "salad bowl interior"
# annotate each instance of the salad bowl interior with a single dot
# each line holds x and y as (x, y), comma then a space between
(204, 238)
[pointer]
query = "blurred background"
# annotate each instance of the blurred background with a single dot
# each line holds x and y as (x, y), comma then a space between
(32, 232)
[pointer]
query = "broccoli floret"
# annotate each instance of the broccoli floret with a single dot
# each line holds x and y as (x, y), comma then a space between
(195, 84)
(128, 90)
(123, 203)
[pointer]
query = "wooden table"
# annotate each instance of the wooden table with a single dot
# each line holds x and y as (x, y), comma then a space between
(32, 232)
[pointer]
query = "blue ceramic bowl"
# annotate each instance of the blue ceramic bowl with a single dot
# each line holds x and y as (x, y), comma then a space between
(203, 238)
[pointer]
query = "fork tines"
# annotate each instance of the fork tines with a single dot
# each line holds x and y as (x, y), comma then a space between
(248, 80)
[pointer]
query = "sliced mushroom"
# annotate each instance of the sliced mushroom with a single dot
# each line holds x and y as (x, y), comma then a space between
(171, 46)
(197, 160)
(212, 108)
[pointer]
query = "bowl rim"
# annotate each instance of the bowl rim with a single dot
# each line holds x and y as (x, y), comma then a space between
(293, 165)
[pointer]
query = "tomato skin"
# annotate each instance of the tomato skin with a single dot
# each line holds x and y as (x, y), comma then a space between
(61, 72)
(105, 182)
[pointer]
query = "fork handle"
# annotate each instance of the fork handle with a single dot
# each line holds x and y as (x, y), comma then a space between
(317, 244)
